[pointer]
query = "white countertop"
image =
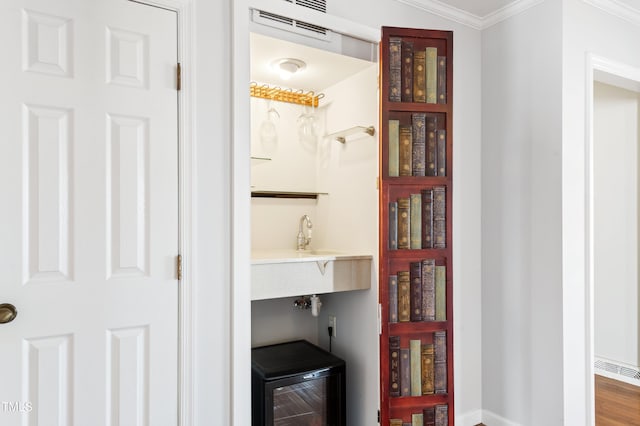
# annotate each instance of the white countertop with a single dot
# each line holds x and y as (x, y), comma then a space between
(288, 256)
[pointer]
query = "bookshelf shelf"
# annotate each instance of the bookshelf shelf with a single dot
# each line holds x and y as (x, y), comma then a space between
(416, 186)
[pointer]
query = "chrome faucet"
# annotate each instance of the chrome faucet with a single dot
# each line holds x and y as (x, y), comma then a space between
(304, 240)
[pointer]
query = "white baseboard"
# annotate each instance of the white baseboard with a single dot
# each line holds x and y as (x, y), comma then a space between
(491, 419)
(469, 419)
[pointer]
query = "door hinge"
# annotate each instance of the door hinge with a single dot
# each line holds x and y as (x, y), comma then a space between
(378, 416)
(179, 267)
(178, 77)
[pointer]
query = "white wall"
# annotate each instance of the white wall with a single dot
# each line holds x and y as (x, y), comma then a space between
(521, 219)
(586, 30)
(615, 127)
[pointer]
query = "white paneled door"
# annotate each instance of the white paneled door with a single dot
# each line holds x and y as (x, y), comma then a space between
(88, 214)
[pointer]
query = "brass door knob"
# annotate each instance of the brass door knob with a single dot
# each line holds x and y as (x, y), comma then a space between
(8, 313)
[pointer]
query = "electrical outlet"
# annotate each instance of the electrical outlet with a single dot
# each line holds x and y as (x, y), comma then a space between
(332, 323)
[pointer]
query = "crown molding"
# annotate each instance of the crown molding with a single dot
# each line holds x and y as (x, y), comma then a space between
(618, 9)
(449, 12)
(469, 19)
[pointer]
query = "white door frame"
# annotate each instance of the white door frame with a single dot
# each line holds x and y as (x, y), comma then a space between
(598, 69)
(185, 19)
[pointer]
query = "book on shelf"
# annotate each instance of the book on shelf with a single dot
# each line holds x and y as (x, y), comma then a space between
(429, 416)
(428, 290)
(405, 372)
(442, 415)
(419, 77)
(407, 71)
(395, 422)
(427, 218)
(431, 73)
(394, 365)
(431, 150)
(415, 221)
(416, 419)
(404, 296)
(393, 225)
(415, 353)
(427, 369)
(403, 223)
(393, 298)
(439, 218)
(440, 362)
(405, 151)
(441, 152)
(415, 275)
(440, 293)
(395, 68)
(442, 80)
(418, 125)
(394, 147)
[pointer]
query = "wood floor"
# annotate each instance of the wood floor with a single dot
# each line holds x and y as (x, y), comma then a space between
(617, 403)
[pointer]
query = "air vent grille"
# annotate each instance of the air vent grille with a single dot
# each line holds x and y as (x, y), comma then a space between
(617, 369)
(319, 5)
(311, 27)
(277, 18)
(290, 24)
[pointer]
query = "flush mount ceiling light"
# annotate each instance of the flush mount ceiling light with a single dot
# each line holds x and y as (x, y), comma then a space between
(287, 67)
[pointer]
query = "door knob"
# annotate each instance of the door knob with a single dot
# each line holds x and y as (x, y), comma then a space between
(8, 313)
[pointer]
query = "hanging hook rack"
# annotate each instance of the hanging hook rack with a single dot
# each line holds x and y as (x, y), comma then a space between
(299, 97)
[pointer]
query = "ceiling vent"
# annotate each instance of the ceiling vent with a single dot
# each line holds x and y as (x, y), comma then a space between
(289, 24)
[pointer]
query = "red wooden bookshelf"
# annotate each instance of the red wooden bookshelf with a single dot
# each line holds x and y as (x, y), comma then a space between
(393, 260)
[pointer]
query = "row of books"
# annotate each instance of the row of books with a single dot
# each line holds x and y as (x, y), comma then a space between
(419, 221)
(437, 415)
(416, 75)
(418, 149)
(420, 369)
(418, 294)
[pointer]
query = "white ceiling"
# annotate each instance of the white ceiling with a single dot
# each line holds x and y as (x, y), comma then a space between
(482, 8)
(323, 68)
(479, 8)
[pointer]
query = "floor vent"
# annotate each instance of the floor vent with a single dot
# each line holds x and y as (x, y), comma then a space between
(289, 24)
(617, 370)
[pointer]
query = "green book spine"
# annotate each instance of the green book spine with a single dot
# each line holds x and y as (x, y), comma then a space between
(394, 147)
(431, 75)
(441, 293)
(393, 225)
(405, 159)
(405, 372)
(415, 349)
(395, 68)
(404, 296)
(415, 221)
(416, 419)
(393, 298)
